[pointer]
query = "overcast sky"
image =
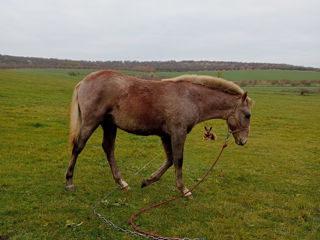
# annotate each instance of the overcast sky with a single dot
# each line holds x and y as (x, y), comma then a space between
(275, 31)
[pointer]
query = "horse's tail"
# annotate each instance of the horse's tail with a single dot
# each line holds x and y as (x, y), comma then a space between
(75, 117)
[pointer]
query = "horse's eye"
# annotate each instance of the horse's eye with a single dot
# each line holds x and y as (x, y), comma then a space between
(248, 116)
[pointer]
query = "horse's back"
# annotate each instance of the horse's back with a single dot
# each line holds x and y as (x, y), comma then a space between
(135, 105)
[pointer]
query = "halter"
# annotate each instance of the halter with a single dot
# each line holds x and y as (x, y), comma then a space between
(232, 114)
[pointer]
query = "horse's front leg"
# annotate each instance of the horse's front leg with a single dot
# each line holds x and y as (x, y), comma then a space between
(166, 142)
(178, 140)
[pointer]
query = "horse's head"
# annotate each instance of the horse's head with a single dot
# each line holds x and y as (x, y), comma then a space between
(238, 120)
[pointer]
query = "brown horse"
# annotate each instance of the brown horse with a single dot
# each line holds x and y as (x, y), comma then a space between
(168, 108)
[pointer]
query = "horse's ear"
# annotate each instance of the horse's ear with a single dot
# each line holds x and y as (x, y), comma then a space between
(210, 129)
(244, 96)
(205, 128)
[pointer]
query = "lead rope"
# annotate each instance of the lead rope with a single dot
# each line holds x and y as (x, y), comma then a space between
(140, 232)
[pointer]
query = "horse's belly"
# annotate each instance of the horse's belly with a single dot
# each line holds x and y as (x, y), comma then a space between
(138, 122)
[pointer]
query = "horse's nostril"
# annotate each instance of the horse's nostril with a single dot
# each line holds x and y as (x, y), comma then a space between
(243, 142)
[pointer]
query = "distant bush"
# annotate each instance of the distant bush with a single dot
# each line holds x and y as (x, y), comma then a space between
(73, 73)
(316, 82)
(287, 81)
(294, 83)
(253, 82)
(242, 83)
(306, 83)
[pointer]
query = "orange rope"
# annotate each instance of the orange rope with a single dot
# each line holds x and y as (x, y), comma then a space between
(173, 199)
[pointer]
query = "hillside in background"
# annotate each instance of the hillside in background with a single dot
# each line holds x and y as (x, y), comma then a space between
(7, 62)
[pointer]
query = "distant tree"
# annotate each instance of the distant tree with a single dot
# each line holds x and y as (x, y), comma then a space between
(145, 66)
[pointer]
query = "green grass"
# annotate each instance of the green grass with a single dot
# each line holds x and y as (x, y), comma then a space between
(254, 74)
(261, 75)
(268, 189)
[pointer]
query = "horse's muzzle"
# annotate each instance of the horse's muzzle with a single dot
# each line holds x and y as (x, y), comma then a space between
(241, 142)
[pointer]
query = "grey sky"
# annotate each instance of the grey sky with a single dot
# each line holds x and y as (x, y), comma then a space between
(277, 31)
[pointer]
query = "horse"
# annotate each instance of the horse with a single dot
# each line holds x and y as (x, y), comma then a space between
(169, 108)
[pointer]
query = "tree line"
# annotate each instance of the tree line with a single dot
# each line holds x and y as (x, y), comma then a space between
(7, 61)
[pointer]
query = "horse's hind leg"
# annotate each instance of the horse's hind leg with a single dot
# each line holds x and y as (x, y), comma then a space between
(166, 142)
(108, 145)
(76, 150)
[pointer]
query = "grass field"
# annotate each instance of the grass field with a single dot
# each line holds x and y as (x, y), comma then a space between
(268, 189)
(261, 75)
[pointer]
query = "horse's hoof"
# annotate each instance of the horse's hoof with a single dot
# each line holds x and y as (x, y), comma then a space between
(144, 183)
(189, 196)
(69, 187)
(187, 193)
(126, 188)
(124, 185)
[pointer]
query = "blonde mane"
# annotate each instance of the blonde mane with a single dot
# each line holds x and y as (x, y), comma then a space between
(210, 82)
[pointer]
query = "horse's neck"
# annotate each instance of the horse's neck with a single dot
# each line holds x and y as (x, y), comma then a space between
(216, 105)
